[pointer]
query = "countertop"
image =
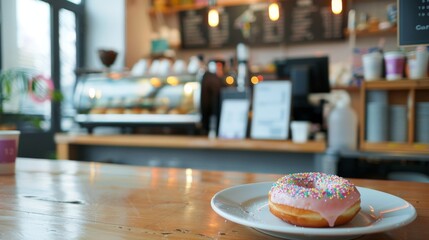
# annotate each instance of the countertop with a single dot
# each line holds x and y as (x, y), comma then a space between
(51, 199)
(66, 141)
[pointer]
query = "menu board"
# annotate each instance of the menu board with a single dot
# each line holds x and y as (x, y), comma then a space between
(313, 20)
(251, 25)
(413, 22)
(300, 21)
(193, 28)
(248, 24)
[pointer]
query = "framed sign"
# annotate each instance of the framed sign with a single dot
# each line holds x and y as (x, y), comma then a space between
(271, 110)
(233, 119)
(413, 28)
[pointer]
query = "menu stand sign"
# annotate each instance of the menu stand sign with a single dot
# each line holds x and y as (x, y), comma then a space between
(413, 22)
(233, 119)
(271, 110)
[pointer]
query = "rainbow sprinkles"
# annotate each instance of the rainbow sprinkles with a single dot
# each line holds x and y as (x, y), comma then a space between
(314, 185)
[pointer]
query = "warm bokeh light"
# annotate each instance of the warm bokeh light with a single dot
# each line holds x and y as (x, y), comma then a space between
(213, 17)
(274, 11)
(254, 80)
(337, 6)
(155, 82)
(115, 75)
(229, 80)
(189, 88)
(173, 81)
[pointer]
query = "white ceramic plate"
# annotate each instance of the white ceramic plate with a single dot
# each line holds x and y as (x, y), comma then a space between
(248, 205)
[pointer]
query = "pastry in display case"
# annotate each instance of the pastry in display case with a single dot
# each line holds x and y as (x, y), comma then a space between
(106, 100)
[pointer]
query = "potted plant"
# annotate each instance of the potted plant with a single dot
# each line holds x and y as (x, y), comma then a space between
(19, 84)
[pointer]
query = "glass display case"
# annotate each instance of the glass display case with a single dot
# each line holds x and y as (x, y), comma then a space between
(108, 99)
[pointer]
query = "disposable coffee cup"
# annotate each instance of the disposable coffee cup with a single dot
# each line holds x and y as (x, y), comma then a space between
(372, 66)
(300, 131)
(8, 151)
(395, 62)
(417, 64)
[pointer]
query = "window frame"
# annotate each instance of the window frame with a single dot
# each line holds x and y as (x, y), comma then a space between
(55, 7)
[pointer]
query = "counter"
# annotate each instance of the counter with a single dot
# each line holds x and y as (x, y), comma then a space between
(66, 142)
(193, 152)
(81, 200)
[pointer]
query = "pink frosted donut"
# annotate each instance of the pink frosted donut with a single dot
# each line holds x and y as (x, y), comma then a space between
(314, 199)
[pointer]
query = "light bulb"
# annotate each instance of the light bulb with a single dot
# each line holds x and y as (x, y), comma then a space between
(337, 6)
(274, 11)
(213, 17)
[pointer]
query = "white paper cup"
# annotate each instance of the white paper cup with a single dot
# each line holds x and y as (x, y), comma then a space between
(8, 151)
(417, 64)
(372, 66)
(300, 131)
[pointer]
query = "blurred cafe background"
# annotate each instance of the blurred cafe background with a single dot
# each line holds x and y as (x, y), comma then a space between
(242, 85)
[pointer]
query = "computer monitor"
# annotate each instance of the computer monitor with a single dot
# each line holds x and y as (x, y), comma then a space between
(314, 71)
(308, 75)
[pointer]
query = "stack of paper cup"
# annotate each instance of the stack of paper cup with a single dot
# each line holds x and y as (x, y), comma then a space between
(376, 122)
(372, 66)
(398, 123)
(395, 62)
(377, 116)
(379, 96)
(422, 122)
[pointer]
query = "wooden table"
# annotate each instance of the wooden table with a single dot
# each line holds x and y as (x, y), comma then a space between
(48, 199)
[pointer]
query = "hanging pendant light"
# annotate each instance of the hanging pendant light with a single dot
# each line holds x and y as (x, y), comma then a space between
(274, 11)
(337, 6)
(213, 15)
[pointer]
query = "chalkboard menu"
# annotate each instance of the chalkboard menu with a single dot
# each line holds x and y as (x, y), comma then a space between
(300, 21)
(248, 24)
(312, 21)
(193, 25)
(413, 22)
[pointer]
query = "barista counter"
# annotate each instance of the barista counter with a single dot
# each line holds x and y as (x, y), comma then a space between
(270, 156)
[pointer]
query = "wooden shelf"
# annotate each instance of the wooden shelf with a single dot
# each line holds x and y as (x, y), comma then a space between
(369, 33)
(188, 7)
(399, 84)
(347, 88)
(173, 10)
(393, 147)
(403, 92)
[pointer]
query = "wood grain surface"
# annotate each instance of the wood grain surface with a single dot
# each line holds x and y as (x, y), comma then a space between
(49, 199)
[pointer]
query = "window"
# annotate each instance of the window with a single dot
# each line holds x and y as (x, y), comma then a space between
(68, 53)
(46, 37)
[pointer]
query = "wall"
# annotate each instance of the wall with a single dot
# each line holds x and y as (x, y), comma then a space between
(138, 31)
(105, 28)
(340, 52)
(9, 36)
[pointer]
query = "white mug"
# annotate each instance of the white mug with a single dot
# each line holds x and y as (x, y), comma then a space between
(300, 131)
